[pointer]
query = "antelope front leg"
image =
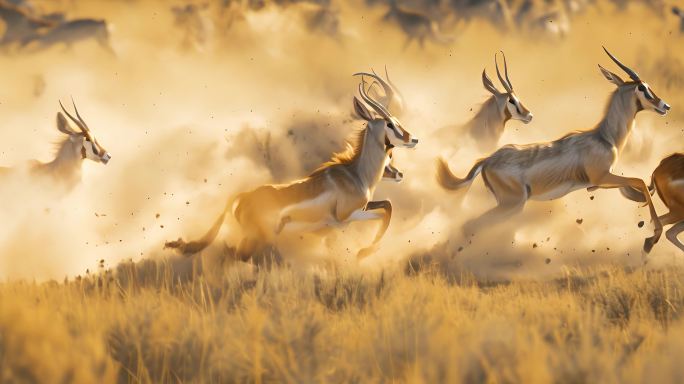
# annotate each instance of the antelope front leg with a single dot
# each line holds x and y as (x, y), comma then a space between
(374, 210)
(614, 181)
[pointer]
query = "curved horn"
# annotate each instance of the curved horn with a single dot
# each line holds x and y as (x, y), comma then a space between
(633, 75)
(86, 125)
(386, 87)
(78, 123)
(506, 83)
(374, 104)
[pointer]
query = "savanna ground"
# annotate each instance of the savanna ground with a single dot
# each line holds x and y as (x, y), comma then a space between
(558, 295)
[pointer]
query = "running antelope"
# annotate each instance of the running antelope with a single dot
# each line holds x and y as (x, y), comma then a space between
(337, 193)
(488, 124)
(583, 159)
(79, 145)
(668, 179)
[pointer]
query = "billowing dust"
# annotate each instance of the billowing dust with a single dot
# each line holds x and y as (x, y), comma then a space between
(267, 101)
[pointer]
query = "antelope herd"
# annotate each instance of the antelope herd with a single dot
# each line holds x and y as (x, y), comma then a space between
(341, 190)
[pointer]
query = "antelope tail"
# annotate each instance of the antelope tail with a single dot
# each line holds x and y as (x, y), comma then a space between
(191, 247)
(449, 181)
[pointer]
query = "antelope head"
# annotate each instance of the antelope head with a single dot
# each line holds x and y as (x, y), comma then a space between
(509, 104)
(89, 147)
(395, 134)
(391, 172)
(643, 95)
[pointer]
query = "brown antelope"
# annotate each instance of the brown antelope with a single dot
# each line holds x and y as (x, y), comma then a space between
(416, 25)
(79, 145)
(668, 180)
(338, 192)
(583, 159)
(488, 124)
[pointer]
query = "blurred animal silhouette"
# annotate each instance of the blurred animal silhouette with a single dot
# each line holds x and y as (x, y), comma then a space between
(416, 25)
(583, 159)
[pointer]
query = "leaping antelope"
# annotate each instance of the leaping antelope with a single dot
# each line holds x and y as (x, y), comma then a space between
(488, 124)
(668, 180)
(584, 159)
(79, 145)
(338, 192)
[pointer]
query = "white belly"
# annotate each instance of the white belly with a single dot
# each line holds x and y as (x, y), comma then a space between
(558, 191)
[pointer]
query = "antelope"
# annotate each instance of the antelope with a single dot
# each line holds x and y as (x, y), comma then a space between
(70, 32)
(582, 159)
(80, 145)
(488, 124)
(415, 25)
(668, 181)
(337, 193)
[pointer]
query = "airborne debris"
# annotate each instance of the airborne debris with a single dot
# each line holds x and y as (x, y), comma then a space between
(579, 221)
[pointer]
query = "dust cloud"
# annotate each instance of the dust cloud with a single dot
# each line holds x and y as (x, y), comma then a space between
(267, 100)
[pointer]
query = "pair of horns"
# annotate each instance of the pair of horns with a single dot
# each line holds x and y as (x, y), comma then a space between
(507, 82)
(389, 90)
(80, 123)
(632, 75)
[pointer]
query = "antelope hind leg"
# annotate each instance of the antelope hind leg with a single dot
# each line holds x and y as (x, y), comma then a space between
(672, 233)
(610, 180)
(374, 210)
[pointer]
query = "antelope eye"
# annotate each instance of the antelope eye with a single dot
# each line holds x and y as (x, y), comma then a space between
(511, 101)
(390, 125)
(642, 88)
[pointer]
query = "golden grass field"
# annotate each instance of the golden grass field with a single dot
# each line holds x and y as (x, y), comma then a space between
(608, 325)
(558, 294)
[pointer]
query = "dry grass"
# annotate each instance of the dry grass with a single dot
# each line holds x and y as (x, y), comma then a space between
(145, 323)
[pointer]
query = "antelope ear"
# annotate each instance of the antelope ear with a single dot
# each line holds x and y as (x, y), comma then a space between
(361, 110)
(488, 84)
(610, 76)
(63, 126)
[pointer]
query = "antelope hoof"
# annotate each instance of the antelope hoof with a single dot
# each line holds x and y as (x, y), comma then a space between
(283, 222)
(648, 244)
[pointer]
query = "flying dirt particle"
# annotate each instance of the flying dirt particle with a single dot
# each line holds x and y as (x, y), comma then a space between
(409, 241)
(156, 216)
(460, 249)
(547, 261)
(591, 197)
(593, 251)
(548, 238)
(534, 245)
(640, 224)
(205, 180)
(161, 226)
(187, 203)
(579, 221)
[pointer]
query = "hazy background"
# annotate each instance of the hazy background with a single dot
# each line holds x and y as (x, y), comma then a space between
(265, 98)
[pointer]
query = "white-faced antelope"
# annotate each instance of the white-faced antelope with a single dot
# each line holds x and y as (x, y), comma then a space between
(547, 171)
(338, 192)
(79, 145)
(488, 124)
(668, 180)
